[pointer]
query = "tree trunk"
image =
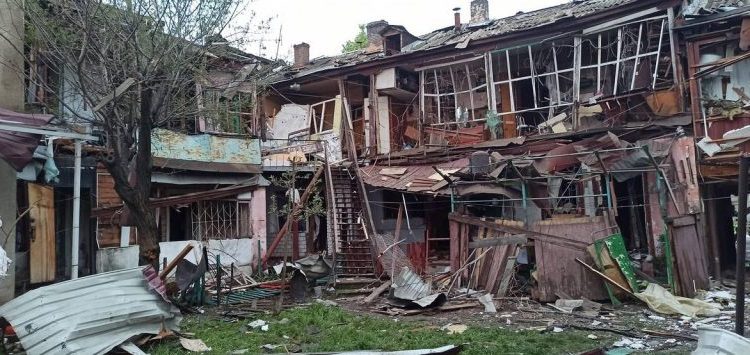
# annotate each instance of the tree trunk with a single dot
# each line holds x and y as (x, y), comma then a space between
(136, 192)
(148, 234)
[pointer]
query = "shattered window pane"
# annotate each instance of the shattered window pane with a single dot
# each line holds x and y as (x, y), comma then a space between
(456, 92)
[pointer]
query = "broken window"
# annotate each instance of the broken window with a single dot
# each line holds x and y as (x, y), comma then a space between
(321, 116)
(456, 92)
(531, 84)
(228, 115)
(630, 57)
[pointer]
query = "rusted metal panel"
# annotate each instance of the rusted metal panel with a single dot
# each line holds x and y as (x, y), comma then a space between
(557, 269)
(415, 179)
(42, 219)
(205, 148)
(689, 256)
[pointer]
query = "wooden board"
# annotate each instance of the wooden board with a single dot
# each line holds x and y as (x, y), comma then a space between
(689, 254)
(42, 259)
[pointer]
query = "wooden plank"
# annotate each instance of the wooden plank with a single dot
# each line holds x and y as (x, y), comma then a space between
(42, 260)
(494, 272)
(745, 34)
(454, 230)
(610, 267)
(689, 258)
(377, 292)
(552, 239)
(507, 273)
(605, 277)
(488, 242)
(119, 90)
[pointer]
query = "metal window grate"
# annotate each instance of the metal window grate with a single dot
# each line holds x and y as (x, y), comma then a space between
(220, 219)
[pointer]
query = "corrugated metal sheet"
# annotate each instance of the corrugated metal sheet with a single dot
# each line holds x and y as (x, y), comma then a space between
(415, 179)
(205, 148)
(705, 7)
(409, 286)
(520, 22)
(90, 315)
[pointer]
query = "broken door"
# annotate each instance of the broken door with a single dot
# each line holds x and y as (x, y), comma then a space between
(42, 221)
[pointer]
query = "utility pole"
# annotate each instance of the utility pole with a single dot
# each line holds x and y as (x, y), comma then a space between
(739, 327)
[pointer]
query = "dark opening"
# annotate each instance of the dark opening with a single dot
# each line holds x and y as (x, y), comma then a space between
(631, 214)
(393, 44)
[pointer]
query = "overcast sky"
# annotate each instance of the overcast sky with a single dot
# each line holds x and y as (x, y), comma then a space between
(327, 24)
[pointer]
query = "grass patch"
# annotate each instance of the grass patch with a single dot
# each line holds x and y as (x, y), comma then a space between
(319, 328)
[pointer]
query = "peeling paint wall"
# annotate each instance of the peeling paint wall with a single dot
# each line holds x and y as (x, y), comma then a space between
(205, 147)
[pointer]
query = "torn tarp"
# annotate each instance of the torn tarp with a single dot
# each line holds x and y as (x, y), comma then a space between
(91, 315)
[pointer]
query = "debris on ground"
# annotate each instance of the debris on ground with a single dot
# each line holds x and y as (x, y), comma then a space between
(488, 303)
(119, 307)
(194, 345)
(662, 301)
(720, 341)
(454, 328)
(259, 324)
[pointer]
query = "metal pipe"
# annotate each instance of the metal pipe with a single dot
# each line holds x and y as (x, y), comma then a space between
(75, 238)
(739, 327)
(406, 212)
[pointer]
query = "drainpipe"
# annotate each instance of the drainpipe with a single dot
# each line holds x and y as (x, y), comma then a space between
(76, 212)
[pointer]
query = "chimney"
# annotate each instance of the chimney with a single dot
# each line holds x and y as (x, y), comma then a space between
(301, 55)
(480, 11)
(374, 39)
(457, 18)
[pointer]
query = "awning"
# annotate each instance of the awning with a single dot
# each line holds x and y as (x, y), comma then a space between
(18, 148)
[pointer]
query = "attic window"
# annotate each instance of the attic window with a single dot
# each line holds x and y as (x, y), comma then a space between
(393, 44)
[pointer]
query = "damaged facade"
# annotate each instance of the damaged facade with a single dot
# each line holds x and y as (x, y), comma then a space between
(505, 149)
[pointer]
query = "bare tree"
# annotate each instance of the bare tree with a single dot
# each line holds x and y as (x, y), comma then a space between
(134, 64)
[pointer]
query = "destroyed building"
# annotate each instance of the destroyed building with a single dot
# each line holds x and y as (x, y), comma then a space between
(528, 139)
(502, 149)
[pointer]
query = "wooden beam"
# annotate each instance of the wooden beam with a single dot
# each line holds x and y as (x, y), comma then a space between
(552, 239)
(605, 277)
(488, 242)
(113, 95)
(172, 264)
(507, 273)
(284, 229)
(377, 292)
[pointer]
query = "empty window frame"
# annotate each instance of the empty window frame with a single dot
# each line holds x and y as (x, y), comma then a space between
(533, 77)
(455, 92)
(626, 58)
(534, 82)
(228, 115)
(320, 117)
